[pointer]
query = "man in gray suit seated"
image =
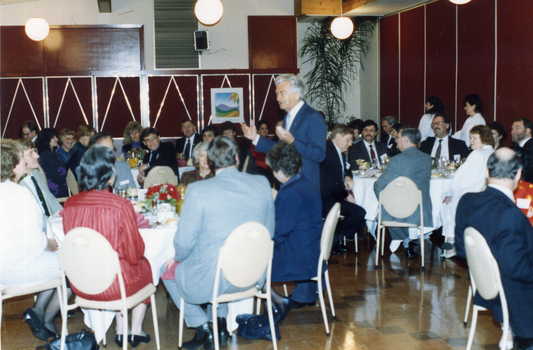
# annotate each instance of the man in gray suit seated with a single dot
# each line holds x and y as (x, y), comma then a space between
(124, 177)
(35, 182)
(415, 165)
(212, 209)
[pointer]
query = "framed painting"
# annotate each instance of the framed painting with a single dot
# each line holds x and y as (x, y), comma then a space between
(227, 105)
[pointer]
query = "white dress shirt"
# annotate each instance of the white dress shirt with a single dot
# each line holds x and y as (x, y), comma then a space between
(290, 118)
(373, 144)
(444, 150)
(523, 142)
(464, 133)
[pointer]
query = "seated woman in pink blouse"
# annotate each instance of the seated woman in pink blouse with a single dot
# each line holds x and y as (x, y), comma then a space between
(113, 217)
(203, 171)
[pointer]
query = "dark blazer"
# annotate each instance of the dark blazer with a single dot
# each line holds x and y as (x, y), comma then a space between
(298, 231)
(309, 131)
(359, 151)
(165, 155)
(416, 166)
(180, 143)
(332, 187)
(529, 145)
(76, 153)
(455, 146)
(510, 238)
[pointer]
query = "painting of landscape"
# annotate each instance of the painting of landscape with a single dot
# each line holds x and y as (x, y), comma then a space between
(227, 105)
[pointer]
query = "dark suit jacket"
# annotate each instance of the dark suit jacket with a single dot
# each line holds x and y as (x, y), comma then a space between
(358, 151)
(529, 145)
(454, 147)
(309, 131)
(165, 155)
(298, 231)
(510, 238)
(416, 166)
(180, 143)
(332, 187)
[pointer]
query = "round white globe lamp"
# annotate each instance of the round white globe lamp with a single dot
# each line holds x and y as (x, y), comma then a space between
(459, 2)
(37, 28)
(342, 27)
(208, 12)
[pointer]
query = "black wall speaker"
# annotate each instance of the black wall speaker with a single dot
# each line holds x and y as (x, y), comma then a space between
(201, 40)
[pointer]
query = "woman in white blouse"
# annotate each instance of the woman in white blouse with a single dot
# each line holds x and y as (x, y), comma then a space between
(473, 109)
(433, 105)
(470, 177)
(27, 257)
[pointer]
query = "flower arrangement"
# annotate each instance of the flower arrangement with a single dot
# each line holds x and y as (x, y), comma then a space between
(164, 192)
(137, 153)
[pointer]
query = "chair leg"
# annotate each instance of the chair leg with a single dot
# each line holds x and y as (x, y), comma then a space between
(322, 304)
(104, 340)
(156, 323)
(271, 320)
(330, 296)
(215, 324)
(422, 246)
(125, 331)
(472, 328)
(258, 307)
(468, 301)
(180, 336)
(382, 241)
(378, 232)
(285, 289)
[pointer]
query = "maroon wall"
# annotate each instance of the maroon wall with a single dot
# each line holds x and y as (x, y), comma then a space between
(458, 62)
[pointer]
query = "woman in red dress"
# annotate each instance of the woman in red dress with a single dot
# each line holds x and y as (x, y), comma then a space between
(113, 217)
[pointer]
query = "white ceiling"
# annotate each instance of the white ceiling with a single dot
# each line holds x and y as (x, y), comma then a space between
(386, 7)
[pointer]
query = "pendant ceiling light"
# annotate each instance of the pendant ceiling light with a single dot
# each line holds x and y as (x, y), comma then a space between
(459, 2)
(37, 28)
(208, 12)
(342, 27)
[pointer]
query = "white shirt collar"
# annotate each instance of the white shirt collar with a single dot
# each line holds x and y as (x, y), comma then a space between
(523, 142)
(296, 109)
(504, 190)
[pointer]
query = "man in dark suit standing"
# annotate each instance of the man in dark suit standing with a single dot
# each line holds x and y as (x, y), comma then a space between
(335, 181)
(369, 149)
(189, 140)
(302, 126)
(161, 154)
(510, 238)
(442, 145)
(416, 166)
(521, 133)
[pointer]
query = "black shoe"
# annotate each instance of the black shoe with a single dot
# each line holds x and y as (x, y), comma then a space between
(298, 305)
(223, 334)
(36, 325)
(118, 340)
(135, 340)
(448, 246)
(413, 250)
(342, 247)
(335, 250)
(287, 306)
(203, 338)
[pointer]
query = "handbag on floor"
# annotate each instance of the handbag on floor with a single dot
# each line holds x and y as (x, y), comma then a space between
(79, 341)
(257, 327)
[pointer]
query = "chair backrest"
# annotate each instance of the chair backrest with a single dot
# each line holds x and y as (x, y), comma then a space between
(401, 197)
(72, 184)
(328, 231)
(245, 255)
(160, 174)
(88, 260)
(483, 267)
(245, 165)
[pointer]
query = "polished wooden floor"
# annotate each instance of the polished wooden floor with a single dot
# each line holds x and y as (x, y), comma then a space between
(396, 306)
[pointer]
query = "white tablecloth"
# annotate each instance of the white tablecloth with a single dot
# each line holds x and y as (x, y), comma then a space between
(158, 248)
(365, 197)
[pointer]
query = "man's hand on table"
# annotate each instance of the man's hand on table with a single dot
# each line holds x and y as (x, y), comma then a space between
(348, 182)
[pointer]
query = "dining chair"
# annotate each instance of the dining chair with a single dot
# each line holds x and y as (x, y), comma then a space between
(245, 165)
(11, 292)
(242, 260)
(72, 183)
(88, 260)
(326, 242)
(400, 198)
(160, 174)
(485, 273)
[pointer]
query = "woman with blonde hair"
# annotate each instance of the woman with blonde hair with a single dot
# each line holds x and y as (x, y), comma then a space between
(132, 137)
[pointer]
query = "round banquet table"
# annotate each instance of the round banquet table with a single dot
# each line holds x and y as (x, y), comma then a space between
(365, 197)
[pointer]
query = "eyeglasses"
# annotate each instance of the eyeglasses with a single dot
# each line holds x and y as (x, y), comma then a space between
(150, 139)
(436, 124)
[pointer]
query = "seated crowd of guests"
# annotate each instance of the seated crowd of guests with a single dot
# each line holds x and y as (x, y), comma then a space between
(313, 174)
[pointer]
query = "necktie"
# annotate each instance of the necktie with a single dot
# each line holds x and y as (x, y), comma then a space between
(437, 153)
(372, 153)
(41, 196)
(187, 149)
